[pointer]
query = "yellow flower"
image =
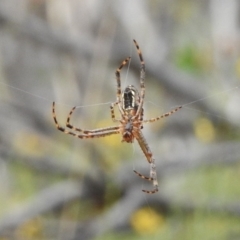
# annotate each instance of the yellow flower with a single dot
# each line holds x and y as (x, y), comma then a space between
(204, 130)
(146, 221)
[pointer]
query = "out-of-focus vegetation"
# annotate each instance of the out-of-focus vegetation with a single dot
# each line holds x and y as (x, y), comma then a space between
(55, 186)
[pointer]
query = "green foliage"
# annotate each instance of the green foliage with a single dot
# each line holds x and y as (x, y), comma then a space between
(201, 186)
(193, 60)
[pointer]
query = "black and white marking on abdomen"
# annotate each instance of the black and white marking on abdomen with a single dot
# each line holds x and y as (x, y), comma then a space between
(130, 97)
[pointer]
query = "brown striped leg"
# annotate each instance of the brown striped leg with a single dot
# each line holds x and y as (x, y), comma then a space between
(142, 176)
(142, 77)
(101, 132)
(162, 116)
(153, 178)
(147, 152)
(118, 77)
(113, 113)
(86, 131)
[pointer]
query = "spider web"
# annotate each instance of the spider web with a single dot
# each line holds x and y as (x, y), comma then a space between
(30, 139)
(48, 170)
(27, 126)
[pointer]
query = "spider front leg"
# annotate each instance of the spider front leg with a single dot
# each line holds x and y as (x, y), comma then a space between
(152, 178)
(147, 152)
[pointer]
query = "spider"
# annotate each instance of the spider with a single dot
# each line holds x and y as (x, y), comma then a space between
(130, 105)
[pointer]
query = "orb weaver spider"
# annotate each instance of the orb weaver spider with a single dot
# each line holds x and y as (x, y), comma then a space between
(130, 105)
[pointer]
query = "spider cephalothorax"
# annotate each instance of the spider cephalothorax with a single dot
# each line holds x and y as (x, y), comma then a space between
(127, 132)
(130, 105)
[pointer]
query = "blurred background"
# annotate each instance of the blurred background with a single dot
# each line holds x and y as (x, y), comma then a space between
(55, 186)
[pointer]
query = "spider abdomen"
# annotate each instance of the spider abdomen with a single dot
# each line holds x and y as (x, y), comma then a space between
(130, 98)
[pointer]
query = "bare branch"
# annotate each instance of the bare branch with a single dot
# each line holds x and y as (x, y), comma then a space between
(45, 201)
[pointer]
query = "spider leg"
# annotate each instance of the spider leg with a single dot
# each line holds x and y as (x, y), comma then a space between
(113, 113)
(85, 131)
(101, 132)
(119, 90)
(142, 78)
(143, 176)
(118, 77)
(152, 178)
(147, 152)
(162, 116)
